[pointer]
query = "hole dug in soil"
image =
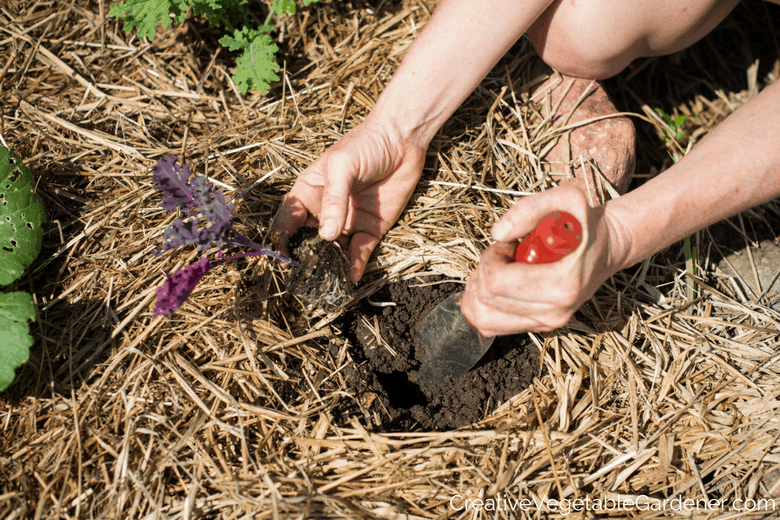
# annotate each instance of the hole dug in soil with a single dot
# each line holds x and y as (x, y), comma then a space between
(387, 356)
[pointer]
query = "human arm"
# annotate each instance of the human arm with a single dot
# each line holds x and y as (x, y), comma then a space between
(358, 188)
(459, 45)
(736, 167)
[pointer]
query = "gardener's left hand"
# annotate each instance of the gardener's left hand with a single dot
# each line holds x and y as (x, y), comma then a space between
(507, 297)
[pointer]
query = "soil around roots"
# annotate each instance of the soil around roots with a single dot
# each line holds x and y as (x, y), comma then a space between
(320, 277)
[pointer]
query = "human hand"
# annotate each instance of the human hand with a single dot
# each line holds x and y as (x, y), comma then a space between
(355, 191)
(506, 297)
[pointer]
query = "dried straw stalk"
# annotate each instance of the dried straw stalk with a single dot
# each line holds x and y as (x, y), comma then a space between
(236, 407)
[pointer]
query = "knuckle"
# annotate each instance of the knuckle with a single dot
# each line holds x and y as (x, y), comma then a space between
(561, 320)
(477, 321)
(470, 316)
(567, 294)
(555, 321)
(492, 286)
(332, 200)
(476, 316)
(547, 327)
(338, 164)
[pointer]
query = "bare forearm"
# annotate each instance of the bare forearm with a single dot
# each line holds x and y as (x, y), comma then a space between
(459, 45)
(734, 168)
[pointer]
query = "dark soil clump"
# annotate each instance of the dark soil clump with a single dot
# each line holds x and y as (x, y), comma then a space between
(389, 356)
(320, 278)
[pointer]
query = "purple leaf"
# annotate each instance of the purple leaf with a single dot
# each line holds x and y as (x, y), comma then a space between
(172, 180)
(195, 196)
(178, 287)
(199, 202)
(183, 232)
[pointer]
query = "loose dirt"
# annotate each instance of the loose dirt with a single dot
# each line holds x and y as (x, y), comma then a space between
(388, 356)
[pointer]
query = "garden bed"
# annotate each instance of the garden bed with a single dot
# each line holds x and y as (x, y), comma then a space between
(249, 403)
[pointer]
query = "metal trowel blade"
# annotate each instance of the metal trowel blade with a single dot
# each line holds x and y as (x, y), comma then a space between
(452, 346)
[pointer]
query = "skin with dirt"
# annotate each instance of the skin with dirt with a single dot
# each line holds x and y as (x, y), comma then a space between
(388, 357)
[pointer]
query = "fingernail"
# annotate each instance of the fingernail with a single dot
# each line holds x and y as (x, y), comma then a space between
(328, 229)
(501, 230)
(354, 274)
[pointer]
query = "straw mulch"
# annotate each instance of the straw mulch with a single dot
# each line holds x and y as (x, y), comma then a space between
(236, 406)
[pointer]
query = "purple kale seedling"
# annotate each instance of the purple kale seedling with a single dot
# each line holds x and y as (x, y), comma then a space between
(198, 202)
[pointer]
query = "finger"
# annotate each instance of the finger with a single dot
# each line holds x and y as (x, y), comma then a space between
(527, 212)
(493, 322)
(499, 285)
(292, 214)
(335, 200)
(360, 248)
(283, 245)
(500, 253)
(502, 281)
(289, 218)
(507, 324)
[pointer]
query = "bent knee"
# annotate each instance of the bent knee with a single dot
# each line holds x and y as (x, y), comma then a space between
(577, 52)
(580, 65)
(599, 38)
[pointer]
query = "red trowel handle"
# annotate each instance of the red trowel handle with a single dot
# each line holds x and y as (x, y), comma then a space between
(557, 235)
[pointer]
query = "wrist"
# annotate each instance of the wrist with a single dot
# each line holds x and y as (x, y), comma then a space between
(410, 121)
(459, 45)
(619, 239)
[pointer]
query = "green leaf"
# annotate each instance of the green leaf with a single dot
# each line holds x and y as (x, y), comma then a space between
(256, 66)
(220, 12)
(243, 37)
(665, 116)
(21, 218)
(16, 309)
(679, 120)
(144, 14)
(280, 6)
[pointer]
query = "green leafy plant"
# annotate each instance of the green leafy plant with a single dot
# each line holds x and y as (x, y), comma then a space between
(255, 67)
(21, 235)
(688, 250)
(674, 124)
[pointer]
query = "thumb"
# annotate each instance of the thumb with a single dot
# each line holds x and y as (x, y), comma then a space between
(335, 203)
(526, 214)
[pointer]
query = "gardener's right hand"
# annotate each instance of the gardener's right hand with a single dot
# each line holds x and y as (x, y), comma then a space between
(356, 190)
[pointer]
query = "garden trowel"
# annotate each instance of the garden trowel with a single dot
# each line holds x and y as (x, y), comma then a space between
(451, 345)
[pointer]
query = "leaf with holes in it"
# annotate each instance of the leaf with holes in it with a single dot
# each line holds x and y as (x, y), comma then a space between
(21, 218)
(16, 309)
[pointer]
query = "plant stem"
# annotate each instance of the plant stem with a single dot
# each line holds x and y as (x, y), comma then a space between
(690, 266)
(259, 250)
(688, 252)
(267, 252)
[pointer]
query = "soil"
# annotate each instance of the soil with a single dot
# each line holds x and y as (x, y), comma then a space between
(320, 278)
(388, 356)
